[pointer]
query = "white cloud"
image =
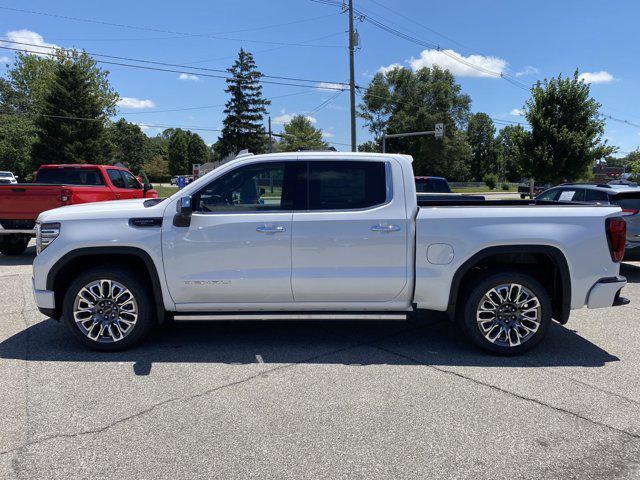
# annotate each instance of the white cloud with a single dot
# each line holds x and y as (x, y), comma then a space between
(471, 66)
(516, 112)
(287, 117)
(36, 42)
(596, 77)
(327, 134)
(188, 76)
(331, 86)
(388, 68)
(130, 102)
(528, 70)
(143, 127)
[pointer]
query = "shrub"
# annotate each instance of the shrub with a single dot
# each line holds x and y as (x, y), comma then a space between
(505, 186)
(490, 180)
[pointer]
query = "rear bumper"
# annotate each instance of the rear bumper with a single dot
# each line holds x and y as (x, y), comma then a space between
(606, 292)
(45, 300)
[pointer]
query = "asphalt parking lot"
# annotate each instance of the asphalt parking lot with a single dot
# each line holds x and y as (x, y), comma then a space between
(317, 400)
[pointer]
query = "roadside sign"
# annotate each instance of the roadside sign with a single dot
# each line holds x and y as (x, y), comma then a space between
(439, 131)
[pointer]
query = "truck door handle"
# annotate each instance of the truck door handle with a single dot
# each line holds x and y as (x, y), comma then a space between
(270, 229)
(385, 228)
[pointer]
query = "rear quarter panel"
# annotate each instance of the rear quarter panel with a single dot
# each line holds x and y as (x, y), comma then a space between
(577, 231)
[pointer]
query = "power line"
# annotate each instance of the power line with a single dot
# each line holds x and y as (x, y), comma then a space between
(144, 67)
(204, 107)
(166, 64)
(174, 32)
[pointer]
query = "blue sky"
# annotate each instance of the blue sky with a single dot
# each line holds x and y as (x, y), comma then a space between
(524, 40)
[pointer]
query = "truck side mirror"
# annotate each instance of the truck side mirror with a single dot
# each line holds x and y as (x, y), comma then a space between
(184, 209)
(147, 186)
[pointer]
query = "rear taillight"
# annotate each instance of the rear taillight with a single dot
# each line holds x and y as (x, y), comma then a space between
(617, 237)
(65, 196)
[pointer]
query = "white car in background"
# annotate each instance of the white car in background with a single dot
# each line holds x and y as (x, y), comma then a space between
(7, 177)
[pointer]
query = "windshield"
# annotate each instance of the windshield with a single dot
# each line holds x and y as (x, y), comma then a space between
(6, 175)
(432, 185)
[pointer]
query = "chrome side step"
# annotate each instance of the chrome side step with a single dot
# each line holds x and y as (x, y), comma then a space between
(289, 316)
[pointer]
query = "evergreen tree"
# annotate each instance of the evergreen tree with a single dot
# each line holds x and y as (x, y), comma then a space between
(299, 134)
(243, 124)
(80, 92)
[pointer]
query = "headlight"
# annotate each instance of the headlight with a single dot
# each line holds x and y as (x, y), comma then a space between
(45, 234)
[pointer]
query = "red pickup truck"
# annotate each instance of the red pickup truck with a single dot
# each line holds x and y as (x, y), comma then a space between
(55, 186)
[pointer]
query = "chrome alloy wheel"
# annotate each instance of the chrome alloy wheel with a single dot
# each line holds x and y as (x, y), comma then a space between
(105, 311)
(509, 315)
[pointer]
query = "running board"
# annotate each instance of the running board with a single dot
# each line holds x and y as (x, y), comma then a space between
(187, 317)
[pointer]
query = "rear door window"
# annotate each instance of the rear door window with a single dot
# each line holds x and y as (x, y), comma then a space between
(116, 178)
(571, 195)
(346, 185)
(69, 176)
(596, 196)
(432, 185)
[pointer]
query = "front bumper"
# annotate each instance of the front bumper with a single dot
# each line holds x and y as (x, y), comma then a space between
(606, 292)
(45, 300)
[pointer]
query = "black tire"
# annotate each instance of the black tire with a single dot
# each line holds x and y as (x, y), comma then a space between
(476, 294)
(523, 196)
(14, 245)
(138, 289)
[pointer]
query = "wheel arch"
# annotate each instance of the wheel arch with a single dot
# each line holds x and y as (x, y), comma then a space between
(528, 257)
(65, 269)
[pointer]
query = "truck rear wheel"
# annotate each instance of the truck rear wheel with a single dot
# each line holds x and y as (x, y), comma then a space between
(507, 313)
(14, 244)
(108, 308)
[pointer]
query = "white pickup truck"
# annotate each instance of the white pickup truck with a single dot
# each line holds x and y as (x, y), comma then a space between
(324, 236)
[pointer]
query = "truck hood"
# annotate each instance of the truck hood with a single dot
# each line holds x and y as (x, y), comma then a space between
(101, 210)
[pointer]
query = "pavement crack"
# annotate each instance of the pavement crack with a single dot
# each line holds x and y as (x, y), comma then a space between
(513, 394)
(186, 398)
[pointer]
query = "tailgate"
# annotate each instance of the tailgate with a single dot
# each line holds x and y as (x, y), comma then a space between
(27, 201)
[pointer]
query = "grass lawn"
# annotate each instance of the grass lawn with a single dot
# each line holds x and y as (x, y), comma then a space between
(164, 192)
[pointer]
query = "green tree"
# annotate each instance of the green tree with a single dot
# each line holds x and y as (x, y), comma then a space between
(508, 142)
(632, 161)
(178, 152)
(369, 146)
(245, 110)
(565, 139)
(17, 136)
(197, 150)
(27, 83)
(300, 133)
(480, 134)
(131, 146)
(157, 168)
(402, 101)
(74, 112)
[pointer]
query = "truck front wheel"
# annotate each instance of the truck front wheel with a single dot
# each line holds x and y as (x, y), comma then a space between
(507, 313)
(108, 308)
(14, 244)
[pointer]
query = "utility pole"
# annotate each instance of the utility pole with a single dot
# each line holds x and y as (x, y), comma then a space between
(270, 137)
(352, 83)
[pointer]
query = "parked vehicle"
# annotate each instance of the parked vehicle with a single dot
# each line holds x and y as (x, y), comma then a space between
(524, 189)
(438, 188)
(55, 186)
(7, 177)
(624, 195)
(324, 236)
